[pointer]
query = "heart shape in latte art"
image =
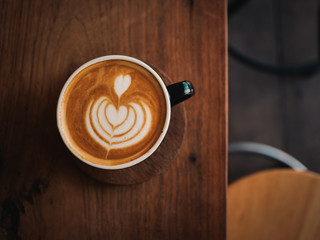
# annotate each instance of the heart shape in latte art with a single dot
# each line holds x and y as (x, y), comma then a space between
(121, 84)
(115, 128)
(115, 116)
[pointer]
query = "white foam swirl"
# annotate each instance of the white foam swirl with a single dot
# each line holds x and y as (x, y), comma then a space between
(121, 84)
(115, 128)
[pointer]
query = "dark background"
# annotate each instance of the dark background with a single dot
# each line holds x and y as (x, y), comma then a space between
(279, 109)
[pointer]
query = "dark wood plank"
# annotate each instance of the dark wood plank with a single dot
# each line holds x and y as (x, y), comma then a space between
(255, 114)
(300, 95)
(281, 111)
(43, 195)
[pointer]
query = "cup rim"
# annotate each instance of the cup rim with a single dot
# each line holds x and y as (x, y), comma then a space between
(164, 129)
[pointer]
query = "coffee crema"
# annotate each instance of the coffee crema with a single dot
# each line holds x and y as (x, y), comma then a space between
(112, 112)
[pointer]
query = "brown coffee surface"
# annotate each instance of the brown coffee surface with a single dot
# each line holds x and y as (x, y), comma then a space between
(112, 112)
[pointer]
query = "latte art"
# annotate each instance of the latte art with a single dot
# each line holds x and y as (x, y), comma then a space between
(113, 112)
(120, 127)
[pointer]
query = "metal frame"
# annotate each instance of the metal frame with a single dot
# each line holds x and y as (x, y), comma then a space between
(267, 151)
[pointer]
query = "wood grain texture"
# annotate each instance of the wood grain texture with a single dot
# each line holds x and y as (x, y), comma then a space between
(275, 204)
(42, 194)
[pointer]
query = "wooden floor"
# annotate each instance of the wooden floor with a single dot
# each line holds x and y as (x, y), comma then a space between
(279, 110)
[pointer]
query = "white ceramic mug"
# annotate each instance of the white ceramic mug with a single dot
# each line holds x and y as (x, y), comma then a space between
(173, 94)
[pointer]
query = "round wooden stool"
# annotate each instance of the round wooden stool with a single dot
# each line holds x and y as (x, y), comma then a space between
(275, 204)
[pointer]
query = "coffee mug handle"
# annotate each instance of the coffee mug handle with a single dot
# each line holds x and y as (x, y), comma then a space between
(180, 91)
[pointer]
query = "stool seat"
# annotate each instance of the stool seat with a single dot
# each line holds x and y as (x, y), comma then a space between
(274, 204)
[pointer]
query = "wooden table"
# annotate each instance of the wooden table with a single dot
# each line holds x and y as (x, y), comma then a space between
(43, 195)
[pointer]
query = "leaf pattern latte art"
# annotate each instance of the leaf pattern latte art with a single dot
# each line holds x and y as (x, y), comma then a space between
(121, 127)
